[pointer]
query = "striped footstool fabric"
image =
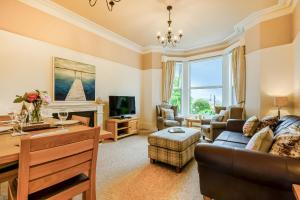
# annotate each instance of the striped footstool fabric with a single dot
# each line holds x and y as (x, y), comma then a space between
(175, 149)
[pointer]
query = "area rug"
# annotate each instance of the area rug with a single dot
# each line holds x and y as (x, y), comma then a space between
(125, 173)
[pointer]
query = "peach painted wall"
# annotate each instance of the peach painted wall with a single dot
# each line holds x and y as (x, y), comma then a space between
(270, 33)
(26, 64)
(273, 65)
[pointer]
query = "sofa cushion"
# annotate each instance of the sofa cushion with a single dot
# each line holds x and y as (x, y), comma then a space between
(235, 137)
(171, 123)
(286, 122)
(287, 145)
(229, 144)
(261, 141)
(250, 126)
(270, 121)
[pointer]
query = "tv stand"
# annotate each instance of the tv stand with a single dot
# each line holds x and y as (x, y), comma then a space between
(122, 127)
(122, 117)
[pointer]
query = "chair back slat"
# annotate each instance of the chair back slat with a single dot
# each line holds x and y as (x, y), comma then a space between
(42, 170)
(47, 181)
(46, 155)
(58, 138)
(49, 159)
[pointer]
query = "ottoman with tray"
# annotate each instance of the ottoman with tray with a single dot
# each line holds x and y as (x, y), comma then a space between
(175, 149)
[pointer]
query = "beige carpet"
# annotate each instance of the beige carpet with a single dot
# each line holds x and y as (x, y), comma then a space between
(125, 173)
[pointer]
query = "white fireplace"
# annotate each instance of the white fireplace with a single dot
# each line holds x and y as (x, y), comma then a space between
(79, 107)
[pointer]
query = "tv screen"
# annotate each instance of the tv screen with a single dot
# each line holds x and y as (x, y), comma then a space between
(121, 105)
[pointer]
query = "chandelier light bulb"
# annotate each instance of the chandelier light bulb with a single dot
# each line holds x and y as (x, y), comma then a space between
(169, 39)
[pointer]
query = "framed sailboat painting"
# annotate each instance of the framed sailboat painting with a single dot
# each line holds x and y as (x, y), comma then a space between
(73, 81)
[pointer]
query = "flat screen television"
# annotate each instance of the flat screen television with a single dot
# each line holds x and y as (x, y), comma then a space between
(121, 106)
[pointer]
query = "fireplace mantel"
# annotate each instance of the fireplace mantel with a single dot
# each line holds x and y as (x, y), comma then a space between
(78, 107)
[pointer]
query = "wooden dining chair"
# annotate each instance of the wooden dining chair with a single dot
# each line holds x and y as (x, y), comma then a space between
(57, 166)
(84, 120)
(8, 171)
(4, 118)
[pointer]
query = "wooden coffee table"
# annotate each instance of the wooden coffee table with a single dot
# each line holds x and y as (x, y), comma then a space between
(192, 120)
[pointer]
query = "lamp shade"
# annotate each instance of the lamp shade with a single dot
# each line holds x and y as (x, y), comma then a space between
(281, 101)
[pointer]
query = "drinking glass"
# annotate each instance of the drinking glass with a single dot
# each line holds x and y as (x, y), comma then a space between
(62, 116)
(12, 116)
(22, 119)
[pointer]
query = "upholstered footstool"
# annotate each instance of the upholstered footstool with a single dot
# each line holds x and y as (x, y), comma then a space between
(175, 149)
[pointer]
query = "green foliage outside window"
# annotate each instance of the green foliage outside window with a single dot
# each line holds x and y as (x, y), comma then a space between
(201, 106)
(176, 94)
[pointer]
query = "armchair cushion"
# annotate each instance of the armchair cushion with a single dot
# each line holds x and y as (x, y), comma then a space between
(179, 119)
(170, 123)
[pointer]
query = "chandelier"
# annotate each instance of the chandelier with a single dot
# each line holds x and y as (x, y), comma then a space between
(169, 39)
(109, 3)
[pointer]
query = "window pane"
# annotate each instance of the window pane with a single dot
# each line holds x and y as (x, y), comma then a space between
(176, 97)
(177, 83)
(203, 100)
(206, 72)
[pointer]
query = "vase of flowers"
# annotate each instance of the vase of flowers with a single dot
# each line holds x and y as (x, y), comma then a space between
(37, 99)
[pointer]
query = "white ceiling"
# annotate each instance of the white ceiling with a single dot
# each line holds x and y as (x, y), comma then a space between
(204, 22)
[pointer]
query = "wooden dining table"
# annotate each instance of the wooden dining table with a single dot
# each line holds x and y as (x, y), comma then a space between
(10, 145)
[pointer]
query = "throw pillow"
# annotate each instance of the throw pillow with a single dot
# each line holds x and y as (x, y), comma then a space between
(287, 145)
(270, 121)
(261, 141)
(250, 126)
(167, 114)
(217, 118)
(225, 114)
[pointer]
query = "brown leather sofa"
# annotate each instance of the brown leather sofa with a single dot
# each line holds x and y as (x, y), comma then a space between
(229, 172)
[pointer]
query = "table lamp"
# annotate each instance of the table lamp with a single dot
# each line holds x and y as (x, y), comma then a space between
(280, 102)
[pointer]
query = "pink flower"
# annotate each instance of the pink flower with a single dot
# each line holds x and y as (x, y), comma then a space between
(32, 96)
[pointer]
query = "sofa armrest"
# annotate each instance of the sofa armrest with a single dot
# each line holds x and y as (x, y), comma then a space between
(260, 168)
(205, 121)
(216, 128)
(235, 125)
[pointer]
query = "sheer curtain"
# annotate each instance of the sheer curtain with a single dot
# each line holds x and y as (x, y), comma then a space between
(168, 71)
(238, 67)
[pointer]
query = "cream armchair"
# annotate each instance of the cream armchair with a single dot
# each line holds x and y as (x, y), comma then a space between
(212, 129)
(164, 123)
